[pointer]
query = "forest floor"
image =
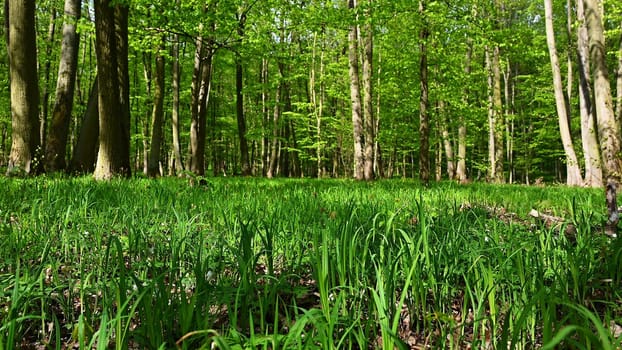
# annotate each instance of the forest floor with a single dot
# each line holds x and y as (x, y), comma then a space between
(237, 263)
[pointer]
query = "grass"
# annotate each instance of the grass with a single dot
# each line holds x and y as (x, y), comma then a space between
(303, 264)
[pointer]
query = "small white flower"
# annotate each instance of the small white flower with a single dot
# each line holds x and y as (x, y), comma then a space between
(209, 275)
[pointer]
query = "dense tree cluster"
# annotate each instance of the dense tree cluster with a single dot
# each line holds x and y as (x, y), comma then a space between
(506, 91)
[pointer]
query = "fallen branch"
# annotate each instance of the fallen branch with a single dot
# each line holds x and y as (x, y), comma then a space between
(555, 222)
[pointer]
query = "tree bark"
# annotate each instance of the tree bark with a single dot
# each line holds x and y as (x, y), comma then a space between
(462, 128)
(56, 147)
(177, 164)
(85, 150)
(272, 163)
(47, 67)
(22, 47)
(424, 122)
(239, 85)
(370, 133)
(591, 151)
(447, 145)
(153, 168)
(111, 28)
(607, 127)
(573, 172)
(355, 98)
(498, 120)
(619, 84)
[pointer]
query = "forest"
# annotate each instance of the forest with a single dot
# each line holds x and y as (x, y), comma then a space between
(310, 174)
(479, 90)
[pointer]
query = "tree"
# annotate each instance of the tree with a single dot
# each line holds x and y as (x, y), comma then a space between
(607, 127)
(424, 122)
(370, 125)
(591, 151)
(113, 157)
(153, 167)
(22, 50)
(355, 98)
(61, 115)
(573, 174)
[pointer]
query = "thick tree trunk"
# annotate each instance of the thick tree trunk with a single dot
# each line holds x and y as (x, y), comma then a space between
(56, 146)
(424, 122)
(355, 98)
(591, 151)
(607, 127)
(153, 168)
(113, 156)
(85, 150)
(370, 134)
(22, 47)
(573, 172)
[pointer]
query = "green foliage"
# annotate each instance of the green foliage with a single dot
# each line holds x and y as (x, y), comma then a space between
(246, 263)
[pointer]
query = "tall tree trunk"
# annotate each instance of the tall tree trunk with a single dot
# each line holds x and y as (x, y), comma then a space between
(607, 127)
(424, 122)
(447, 144)
(462, 129)
(113, 156)
(22, 47)
(370, 135)
(177, 163)
(499, 122)
(56, 147)
(355, 97)
(591, 151)
(239, 85)
(272, 164)
(85, 150)
(157, 117)
(47, 67)
(199, 53)
(573, 172)
(619, 83)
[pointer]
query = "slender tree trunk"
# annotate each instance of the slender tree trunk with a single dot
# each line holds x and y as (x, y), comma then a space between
(447, 144)
(241, 119)
(355, 97)
(607, 127)
(424, 122)
(22, 50)
(272, 164)
(113, 156)
(153, 168)
(47, 67)
(85, 150)
(177, 164)
(370, 135)
(199, 66)
(499, 122)
(619, 84)
(56, 147)
(573, 172)
(462, 129)
(591, 151)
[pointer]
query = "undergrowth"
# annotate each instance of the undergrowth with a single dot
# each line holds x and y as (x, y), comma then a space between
(289, 264)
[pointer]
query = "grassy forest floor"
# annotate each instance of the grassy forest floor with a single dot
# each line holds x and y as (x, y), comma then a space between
(281, 264)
